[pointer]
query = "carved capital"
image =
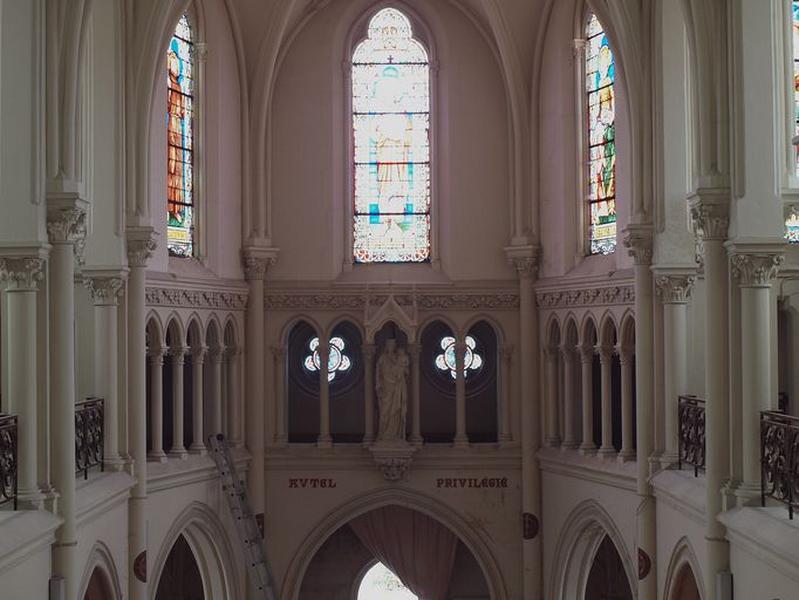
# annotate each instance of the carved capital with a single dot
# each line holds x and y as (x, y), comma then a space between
(626, 353)
(638, 241)
(23, 273)
(256, 262)
(178, 355)
(756, 269)
(524, 260)
(66, 225)
(141, 245)
(569, 353)
(674, 289)
(587, 352)
(578, 48)
(605, 353)
(198, 355)
(710, 215)
(105, 291)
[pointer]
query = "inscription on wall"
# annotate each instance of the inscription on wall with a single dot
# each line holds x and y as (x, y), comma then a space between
(472, 482)
(312, 482)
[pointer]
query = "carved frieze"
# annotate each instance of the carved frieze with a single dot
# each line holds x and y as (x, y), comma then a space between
(461, 301)
(157, 296)
(601, 296)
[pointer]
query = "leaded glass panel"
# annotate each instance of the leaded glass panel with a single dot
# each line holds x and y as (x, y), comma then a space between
(180, 141)
(391, 135)
(600, 70)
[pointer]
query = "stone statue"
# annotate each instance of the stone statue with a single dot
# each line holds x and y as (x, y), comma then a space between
(392, 392)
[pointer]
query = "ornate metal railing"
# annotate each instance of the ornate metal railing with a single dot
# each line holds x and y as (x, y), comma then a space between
(89, 434)
(779, 459)
(691, 423)
(8, 460)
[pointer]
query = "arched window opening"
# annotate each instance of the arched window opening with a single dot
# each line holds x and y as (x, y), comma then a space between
(391, 143)
(380, 583)
(482, 384)
(437, 387)
(181, 576)
(472, 360)
(180, 141)
(607, 578)
(337, 362)
(792, 220)
(600, 77)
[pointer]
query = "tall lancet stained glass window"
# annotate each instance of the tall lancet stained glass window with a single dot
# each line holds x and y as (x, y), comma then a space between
(792, 222)
(180, 140)
(391, 135)
(600, 73)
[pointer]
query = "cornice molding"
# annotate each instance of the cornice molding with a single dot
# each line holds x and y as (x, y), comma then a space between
(595, 296)
(333, 301)
(179, 298)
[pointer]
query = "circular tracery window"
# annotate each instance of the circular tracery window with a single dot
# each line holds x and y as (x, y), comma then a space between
(472, 361)
(337, 361)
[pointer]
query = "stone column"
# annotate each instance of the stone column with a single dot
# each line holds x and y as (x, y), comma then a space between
(461, 439)
(157, 404)
(569, 397)
(281, 434)
(177, 358)
(626, 359)
(638, 240)
(234, 395)
(215, 389)
(22, 276)
(256, 263)
(552, 357)
(710, 215)
(197, 417)
(506, 356)
(66, 228)
(606, 363)
(415, 353)
(755, 264)
(368, 351)
(325, 440)
(524, 260)
(587, 447)
(141, 245)
(105, 289)
(674, 289)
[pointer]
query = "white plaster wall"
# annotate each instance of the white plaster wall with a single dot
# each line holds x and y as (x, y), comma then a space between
(757, 579)
(310, 205)
(28, 579)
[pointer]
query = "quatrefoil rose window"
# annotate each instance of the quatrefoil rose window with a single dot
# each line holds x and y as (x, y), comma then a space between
(445, 361)
(337, 361)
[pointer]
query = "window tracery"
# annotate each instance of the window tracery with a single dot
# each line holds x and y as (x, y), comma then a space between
(472, 361)
(600, 77)
(180, 140)
(391, 135)
(337, 360)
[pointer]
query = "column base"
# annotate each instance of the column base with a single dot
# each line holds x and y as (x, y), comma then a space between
(114, 464)
(460, 442)
(668, 459)
(32, 499)
(626, 456)
(178, 453)
(607, 453)
(324, 441)
(198, 449)
(745, 494)
(586, 450)
(157, 457)
(50, 499)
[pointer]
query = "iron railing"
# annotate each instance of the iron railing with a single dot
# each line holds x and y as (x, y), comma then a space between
(89, 432)
(779, 459)
(691, 423)
(8, 460)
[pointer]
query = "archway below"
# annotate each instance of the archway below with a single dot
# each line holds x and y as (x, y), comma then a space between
(99, 588)
(342, 565)
(607, 579)
(379, 583)
(686, 587)
(180, 578)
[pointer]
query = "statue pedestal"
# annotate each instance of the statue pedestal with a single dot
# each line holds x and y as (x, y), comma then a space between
(393, 458)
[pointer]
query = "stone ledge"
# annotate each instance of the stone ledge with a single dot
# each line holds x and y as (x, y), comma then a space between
(100, 493)
(682, 491)
(589, 468)
(177, 472)
(23, 533)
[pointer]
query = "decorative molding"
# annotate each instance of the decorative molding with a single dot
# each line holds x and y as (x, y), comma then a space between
(756, 269)
(638, 241)
(256, 262)
(602, 296)
(66, 224)
(524, 260)
(105, 291)
(172, 297)
(323, 301)
(674, 288)
(140, 245)
(393, 459)
(710, 214)
(21, 273)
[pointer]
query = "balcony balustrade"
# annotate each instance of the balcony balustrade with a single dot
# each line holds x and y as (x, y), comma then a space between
(691, 423)
(779, 459)
(89, 435)
(8, 460)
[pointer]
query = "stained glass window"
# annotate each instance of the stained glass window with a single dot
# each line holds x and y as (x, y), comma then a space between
(792, 222)
(337, 361)
(180, 140)
(391, 134)
(445, 361)
(600, 72)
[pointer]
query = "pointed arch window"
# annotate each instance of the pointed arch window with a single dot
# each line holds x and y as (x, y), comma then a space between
(792, 220)
(391, 143)
(600, 78)
(180, 140)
